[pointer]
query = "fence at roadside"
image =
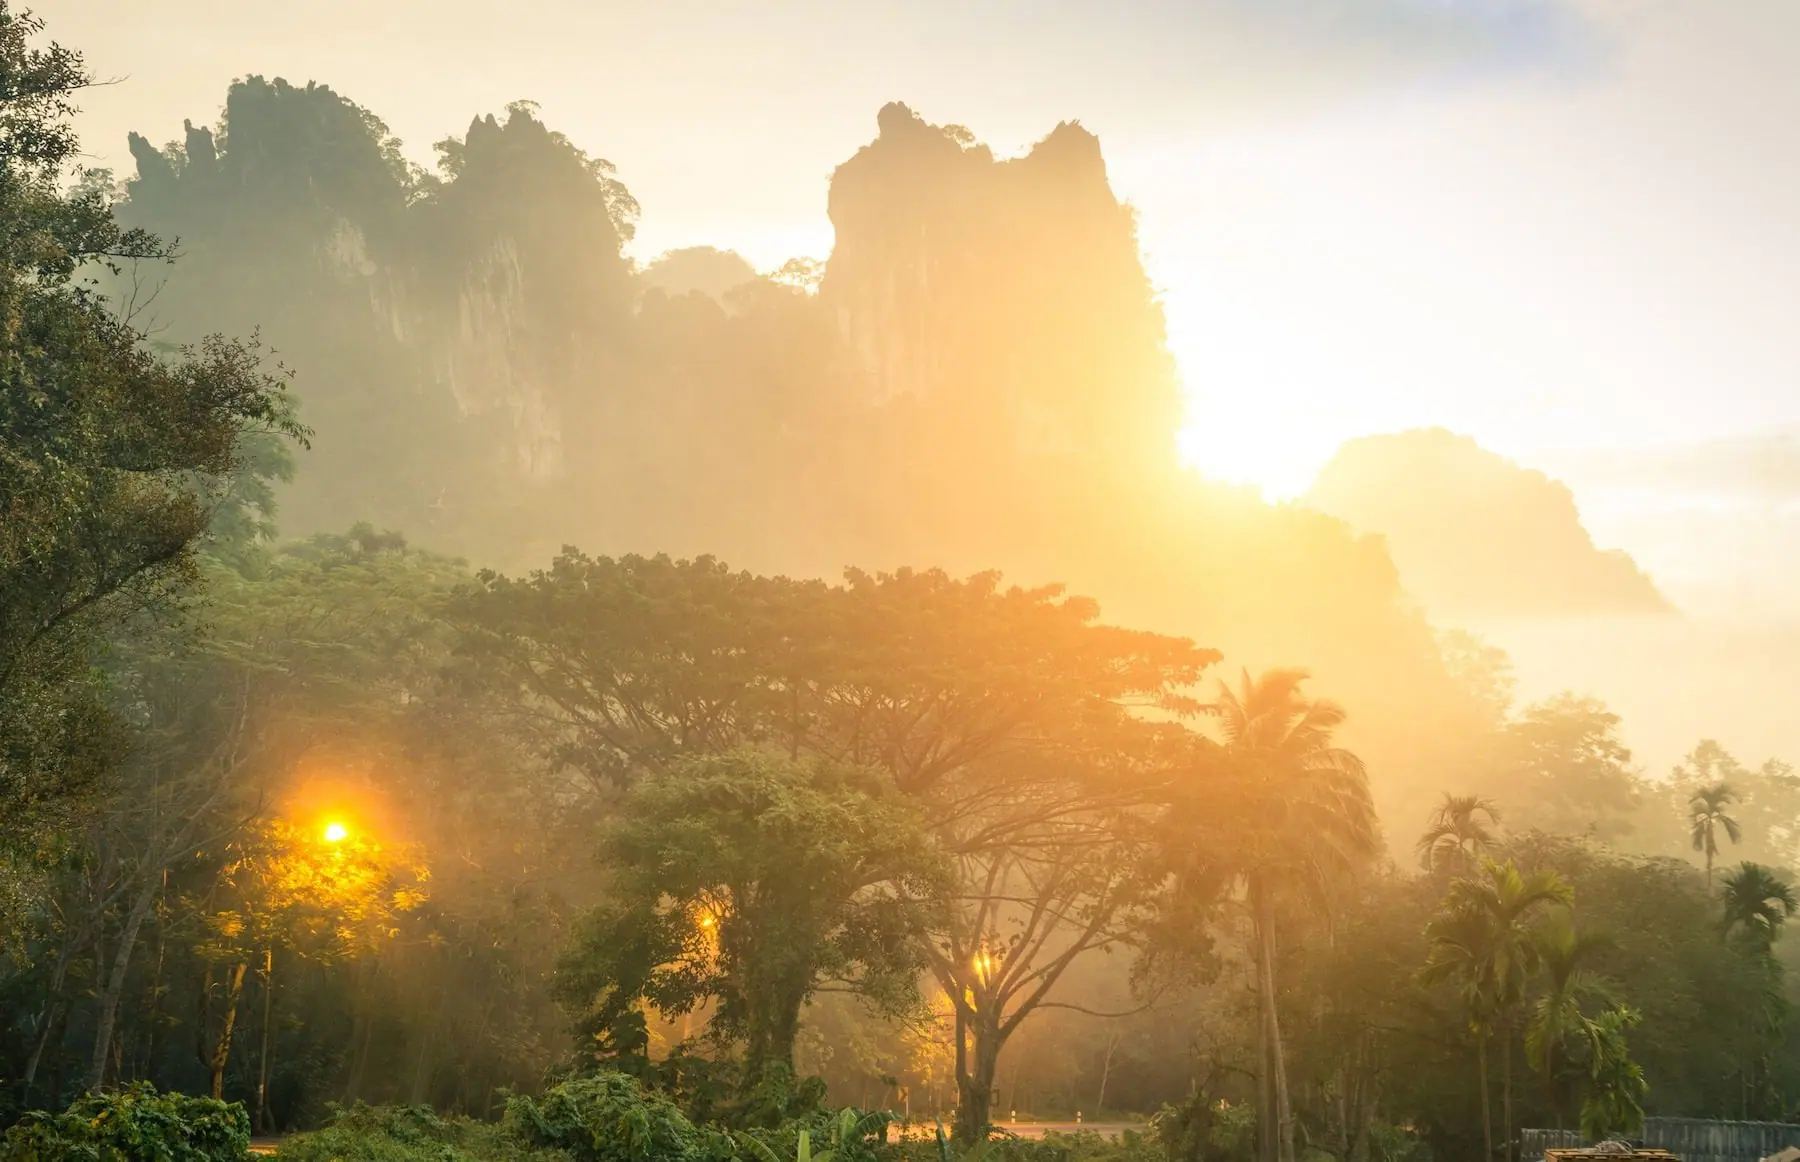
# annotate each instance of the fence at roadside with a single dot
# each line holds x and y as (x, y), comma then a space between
(1690, 1139)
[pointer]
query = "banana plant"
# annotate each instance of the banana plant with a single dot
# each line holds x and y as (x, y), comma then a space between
(844, 1137)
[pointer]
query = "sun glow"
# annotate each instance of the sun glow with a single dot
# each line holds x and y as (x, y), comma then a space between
(336, 832)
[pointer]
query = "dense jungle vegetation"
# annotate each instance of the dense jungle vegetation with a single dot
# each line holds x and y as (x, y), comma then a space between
(625, 853)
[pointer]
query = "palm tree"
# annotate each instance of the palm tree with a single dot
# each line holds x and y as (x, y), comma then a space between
(1616, 1085)
(1458, 955)
(1706, 815)
(1754, 906)
(1301, 814)
(1756, 903)
(1480, 940)
(1556, 1017)
(1456, 836)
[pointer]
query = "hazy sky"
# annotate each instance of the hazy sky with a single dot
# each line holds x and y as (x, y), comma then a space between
(1558, 226)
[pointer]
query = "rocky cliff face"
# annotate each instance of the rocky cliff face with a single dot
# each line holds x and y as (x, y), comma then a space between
(447, 330)
(980, 381)
(1006, 294)
(1474, 534)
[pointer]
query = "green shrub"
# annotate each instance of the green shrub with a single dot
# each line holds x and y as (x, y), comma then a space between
(409, 1134)
(1391, 1143)
(136, 1124)
(845, 1135)
(1201, 1129)
(609, 1117)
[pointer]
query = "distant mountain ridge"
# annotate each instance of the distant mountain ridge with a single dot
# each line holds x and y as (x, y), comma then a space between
(1475, 534)
(979, 380)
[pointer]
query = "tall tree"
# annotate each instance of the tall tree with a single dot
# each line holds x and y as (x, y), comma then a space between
(1482, 942)
(1460, 832)
(1562, 768)
(1061, 870)
(1756, 903)
(1614, 1103)
(1707, 817)
(753, 879)
(110, 453)
(1291, 812)
(1009, 715)
(1556, 1019)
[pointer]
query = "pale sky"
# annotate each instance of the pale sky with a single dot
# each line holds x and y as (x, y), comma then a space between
(1569, 229)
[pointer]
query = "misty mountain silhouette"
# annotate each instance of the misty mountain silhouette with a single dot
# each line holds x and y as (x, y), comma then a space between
(707, 270)
(1474, 534)
(980, 381)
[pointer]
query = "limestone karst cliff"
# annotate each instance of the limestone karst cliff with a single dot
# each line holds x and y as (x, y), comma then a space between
(1006, 294)
(980, 381)
(1476, 535)
(443, 327)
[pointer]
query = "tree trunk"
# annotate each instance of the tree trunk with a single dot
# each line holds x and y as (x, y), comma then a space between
(1265, 1072)
(51, 1014)
(1506, 1095)
(975, 1087)
(153, 1019)
(1112, 1044)
(115, 982)
(423, 1067)
(58, 1073)
(365, 1023)
(262, 1067)
(221, 1050)
(1550, 1094)
(1265, 943)
(1487, 1119)
(774, 1027)
(962, 1059)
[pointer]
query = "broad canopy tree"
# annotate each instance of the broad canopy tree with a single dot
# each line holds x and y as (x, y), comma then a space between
(749, 880)
(111, 454)
(1008, 716)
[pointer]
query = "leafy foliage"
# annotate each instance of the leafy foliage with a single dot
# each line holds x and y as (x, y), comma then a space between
(609, 1117)
(750, 878)
(111, 456)
(365, 1133)
(132, 1124)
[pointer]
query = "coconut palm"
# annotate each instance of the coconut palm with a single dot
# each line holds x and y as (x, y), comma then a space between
(1459, 942)
(1706, 816)
(1565, 964)
(1456, 836)
(1616, 1085)
(1301, 816)
(1756, 903)
(1481, 941)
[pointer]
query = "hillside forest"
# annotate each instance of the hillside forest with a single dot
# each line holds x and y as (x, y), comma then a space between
(467, 693)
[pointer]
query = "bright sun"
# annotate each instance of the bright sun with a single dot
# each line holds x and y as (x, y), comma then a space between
(335, 832)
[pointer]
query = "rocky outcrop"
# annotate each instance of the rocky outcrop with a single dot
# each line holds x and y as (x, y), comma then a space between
(1008, 292)
(446, 330)
(980, 381)
(1476, 535)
